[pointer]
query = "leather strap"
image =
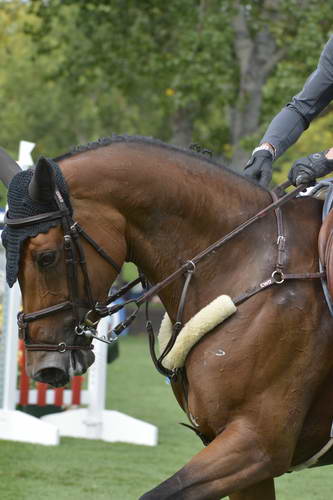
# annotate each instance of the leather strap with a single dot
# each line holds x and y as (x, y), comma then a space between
(304, 276)
(26, 221)
(215, 246)
(61, 347)
(98, 249)
(42, 313)
(277, 278)
(281, 238)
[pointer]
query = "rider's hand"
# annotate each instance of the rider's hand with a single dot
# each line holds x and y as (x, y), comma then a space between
(259, 166)
(306, 170)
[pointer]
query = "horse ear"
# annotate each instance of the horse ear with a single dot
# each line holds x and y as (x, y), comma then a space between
(42, 185)
(8, 167)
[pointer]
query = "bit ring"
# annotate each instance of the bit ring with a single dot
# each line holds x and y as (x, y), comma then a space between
(278, 277)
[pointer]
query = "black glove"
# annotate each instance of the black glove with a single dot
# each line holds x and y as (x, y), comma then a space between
(306, 170)
(259, 167)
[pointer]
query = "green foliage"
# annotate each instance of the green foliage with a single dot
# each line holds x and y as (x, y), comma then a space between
(167, 63)
(160, 60)
(34, 107)
(142, 43)
(74, 70)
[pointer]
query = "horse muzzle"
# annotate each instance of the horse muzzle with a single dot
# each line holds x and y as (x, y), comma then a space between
(56, 368)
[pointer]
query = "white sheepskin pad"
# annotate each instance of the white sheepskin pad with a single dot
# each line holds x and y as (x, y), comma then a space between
(203, 322)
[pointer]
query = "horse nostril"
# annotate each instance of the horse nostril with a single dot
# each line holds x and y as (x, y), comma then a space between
(52, 376)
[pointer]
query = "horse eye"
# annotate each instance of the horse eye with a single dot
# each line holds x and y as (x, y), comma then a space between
(46, 259)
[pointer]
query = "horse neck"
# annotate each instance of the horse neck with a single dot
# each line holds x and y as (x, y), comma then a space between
(173, 205)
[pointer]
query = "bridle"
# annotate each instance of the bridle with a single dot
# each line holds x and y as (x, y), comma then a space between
(74, 257)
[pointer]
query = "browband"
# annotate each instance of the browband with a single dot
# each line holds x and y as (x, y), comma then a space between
(25, 221)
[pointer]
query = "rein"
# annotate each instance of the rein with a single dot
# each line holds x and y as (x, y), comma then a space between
(74, 257)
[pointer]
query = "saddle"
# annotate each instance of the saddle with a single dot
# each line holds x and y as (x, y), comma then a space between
(325, 244)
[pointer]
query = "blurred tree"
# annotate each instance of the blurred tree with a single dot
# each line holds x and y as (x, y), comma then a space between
(217, 69)
(198, 70)
(277, 44)
(164, 61)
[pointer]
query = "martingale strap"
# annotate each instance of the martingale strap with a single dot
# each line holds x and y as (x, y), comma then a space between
(278, 277)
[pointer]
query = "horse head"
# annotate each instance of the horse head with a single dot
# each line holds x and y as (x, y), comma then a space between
(46, 253)
(44, 284)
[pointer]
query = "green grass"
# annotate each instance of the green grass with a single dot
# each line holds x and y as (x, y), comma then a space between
(81, 469)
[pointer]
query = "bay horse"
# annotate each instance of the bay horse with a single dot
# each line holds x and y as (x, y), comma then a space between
(264, 406)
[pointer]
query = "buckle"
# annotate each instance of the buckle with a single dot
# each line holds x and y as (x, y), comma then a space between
(89, 322)
(62, 347)
(22, 326)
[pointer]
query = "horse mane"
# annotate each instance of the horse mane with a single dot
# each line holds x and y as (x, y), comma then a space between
(151, 141)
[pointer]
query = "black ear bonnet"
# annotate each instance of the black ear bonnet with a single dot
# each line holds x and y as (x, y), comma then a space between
(21, 205)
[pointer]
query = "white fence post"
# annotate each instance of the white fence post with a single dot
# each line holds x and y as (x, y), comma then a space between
(97, 385)
(11, 304)
(16, 425)
(95, 422)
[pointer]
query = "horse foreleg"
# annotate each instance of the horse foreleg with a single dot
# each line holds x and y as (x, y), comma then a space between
(261, 491)
(233, 462)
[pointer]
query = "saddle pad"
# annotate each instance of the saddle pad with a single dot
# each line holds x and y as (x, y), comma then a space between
(203, 322)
